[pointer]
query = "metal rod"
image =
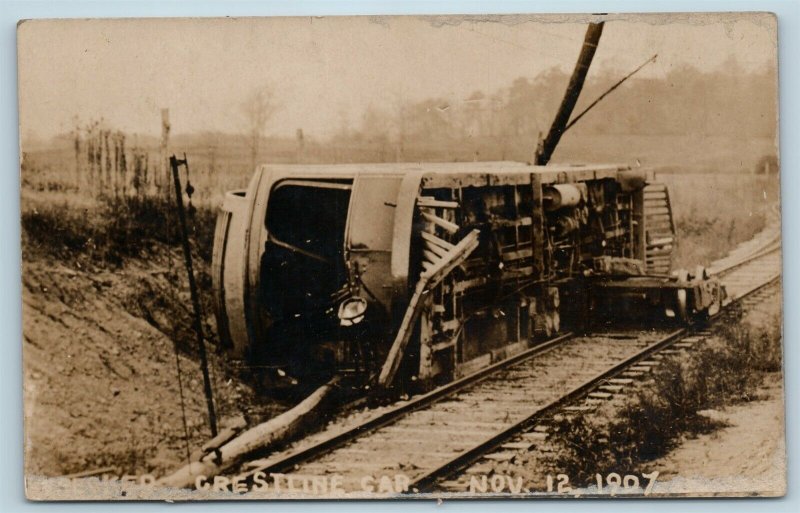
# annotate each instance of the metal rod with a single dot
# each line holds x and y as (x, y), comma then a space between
(198, 326)
(599, 98)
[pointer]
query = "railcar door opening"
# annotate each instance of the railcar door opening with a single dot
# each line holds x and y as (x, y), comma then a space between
(302, 268)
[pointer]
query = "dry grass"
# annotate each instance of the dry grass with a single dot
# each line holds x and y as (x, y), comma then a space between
(110, 231)
(714, 212)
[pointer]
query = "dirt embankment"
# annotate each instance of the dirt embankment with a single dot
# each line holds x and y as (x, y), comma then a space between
(101, 381)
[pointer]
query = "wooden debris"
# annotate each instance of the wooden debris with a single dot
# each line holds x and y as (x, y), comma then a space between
(258, 438)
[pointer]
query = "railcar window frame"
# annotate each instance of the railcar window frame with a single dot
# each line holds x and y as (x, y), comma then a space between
(345, 184)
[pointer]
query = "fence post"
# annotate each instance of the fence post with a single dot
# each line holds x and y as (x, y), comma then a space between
(123, 171)
(107, 162)
(115, 139)
(90, 157)
(163, 177)
(98, 160)
(77, 157)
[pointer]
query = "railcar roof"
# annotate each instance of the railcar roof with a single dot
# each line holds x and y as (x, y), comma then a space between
(460, 174)
(440, 167)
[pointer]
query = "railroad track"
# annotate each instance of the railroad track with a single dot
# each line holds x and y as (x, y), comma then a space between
(434, 437)
(455, 477)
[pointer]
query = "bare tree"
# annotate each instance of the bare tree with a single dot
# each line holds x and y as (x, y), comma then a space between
(257, 109)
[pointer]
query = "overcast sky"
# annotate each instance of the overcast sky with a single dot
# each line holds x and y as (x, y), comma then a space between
(326, 70)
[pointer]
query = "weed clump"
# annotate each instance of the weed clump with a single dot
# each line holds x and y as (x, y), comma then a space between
(115, 229)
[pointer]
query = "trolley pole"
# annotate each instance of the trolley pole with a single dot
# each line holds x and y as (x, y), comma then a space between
(198, 325)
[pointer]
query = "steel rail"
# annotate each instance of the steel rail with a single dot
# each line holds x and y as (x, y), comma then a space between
(771, 247)
(424, 483)
(323, 447)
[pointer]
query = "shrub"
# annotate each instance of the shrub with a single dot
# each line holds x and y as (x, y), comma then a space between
(113, 230)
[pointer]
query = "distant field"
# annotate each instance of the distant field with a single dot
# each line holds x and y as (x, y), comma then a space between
(673, 153)
(717, 200)
(222, 167)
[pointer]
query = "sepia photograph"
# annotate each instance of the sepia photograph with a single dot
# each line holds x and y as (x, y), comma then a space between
(401, 257)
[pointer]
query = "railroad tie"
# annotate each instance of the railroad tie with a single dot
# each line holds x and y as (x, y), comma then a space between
(480, 468)
(620, 381)
(580, 409)
(501, 456)
(535, 436)
(518, 446)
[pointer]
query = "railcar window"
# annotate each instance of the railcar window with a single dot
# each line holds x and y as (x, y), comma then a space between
(372, 218)
(309, 218)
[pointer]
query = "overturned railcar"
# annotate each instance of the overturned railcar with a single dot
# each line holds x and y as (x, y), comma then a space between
(401, 274)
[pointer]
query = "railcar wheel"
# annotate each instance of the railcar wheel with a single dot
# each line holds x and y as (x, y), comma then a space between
(682, 306)
(714, 308)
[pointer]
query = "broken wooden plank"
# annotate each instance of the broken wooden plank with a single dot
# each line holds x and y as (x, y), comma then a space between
(456, 256)
(258, 438)
(433, 248)
(440, 222)
(433, 239)
(429, 279)
(430, 256)
(225, 435)
(428, 202)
